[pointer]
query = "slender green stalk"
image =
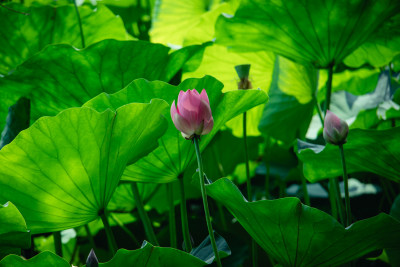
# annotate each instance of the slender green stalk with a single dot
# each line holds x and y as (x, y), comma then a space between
(248, 179)
(57, 243)
(80, 23)
(246, 156)
(328, 89)
(332, 198)
(110, 236)
(143, 216)
(125, 229)
(267, 166)
(339, 201)
(346, 188)
(305, 191)
(90, 236)
(205, 203)
(184, 216)
(222, 174)
(171, 215)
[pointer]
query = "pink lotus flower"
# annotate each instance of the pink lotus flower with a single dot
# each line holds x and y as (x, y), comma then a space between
(335, 129)
(193, 114)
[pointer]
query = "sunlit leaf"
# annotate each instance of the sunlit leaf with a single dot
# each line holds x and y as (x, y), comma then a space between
(381, 47)
(63, 170)
(175, 153)
(318, 32)
(23, 36)
(366, 150)
(61, 77)
(291, 97)
(298, 235)
(189, 22)
(205, 252)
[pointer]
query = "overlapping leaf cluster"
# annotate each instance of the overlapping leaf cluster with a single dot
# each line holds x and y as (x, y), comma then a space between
(85, 112)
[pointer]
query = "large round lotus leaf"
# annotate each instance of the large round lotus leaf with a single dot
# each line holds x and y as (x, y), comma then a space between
(319, 32)
(298, 235)
(23, 36)
(63, 170)
(175, 153)
(61, 76)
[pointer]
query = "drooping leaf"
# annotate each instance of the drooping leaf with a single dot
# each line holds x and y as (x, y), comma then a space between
(63, 170)
(291, 97)
(205, 252)
(61, 77)
(366, 150)
(298, 235)
(18, 119)
(149, 255)
(219, 62)
(318, 32)
(14, 234)
(44, 259)
(175, 153)
(23, 36)
(380, 49)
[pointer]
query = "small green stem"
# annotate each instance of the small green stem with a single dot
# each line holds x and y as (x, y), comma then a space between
(305, 191)
(80, 23)
(125, 229)
(339, 201)
(205, 203)
(171, 215)
(332, 198)
(57, 243)
(267, 166)
(184, 216)
(143, 216)
(90, 236)
(246, 156)
(328, 89)
(346, 188)
(110, 236)
(248, 179)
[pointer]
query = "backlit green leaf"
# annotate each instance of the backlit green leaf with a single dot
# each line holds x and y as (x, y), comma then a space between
(63, 170)
(298, 235)
(318, 32)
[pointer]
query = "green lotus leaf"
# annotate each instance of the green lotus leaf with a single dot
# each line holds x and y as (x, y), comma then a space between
(220, 62)
(63, 170)
(23, 36)
(297, 235)
(44, 259)
(175, 153)
(291, 97)
(319, 32)
(14, 234)
(381, 47)
(150, 255)
(61, 76)
(366, 150)
(189, 22)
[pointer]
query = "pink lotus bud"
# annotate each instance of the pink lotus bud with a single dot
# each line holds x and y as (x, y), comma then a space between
(335, 129)
(193, 114)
